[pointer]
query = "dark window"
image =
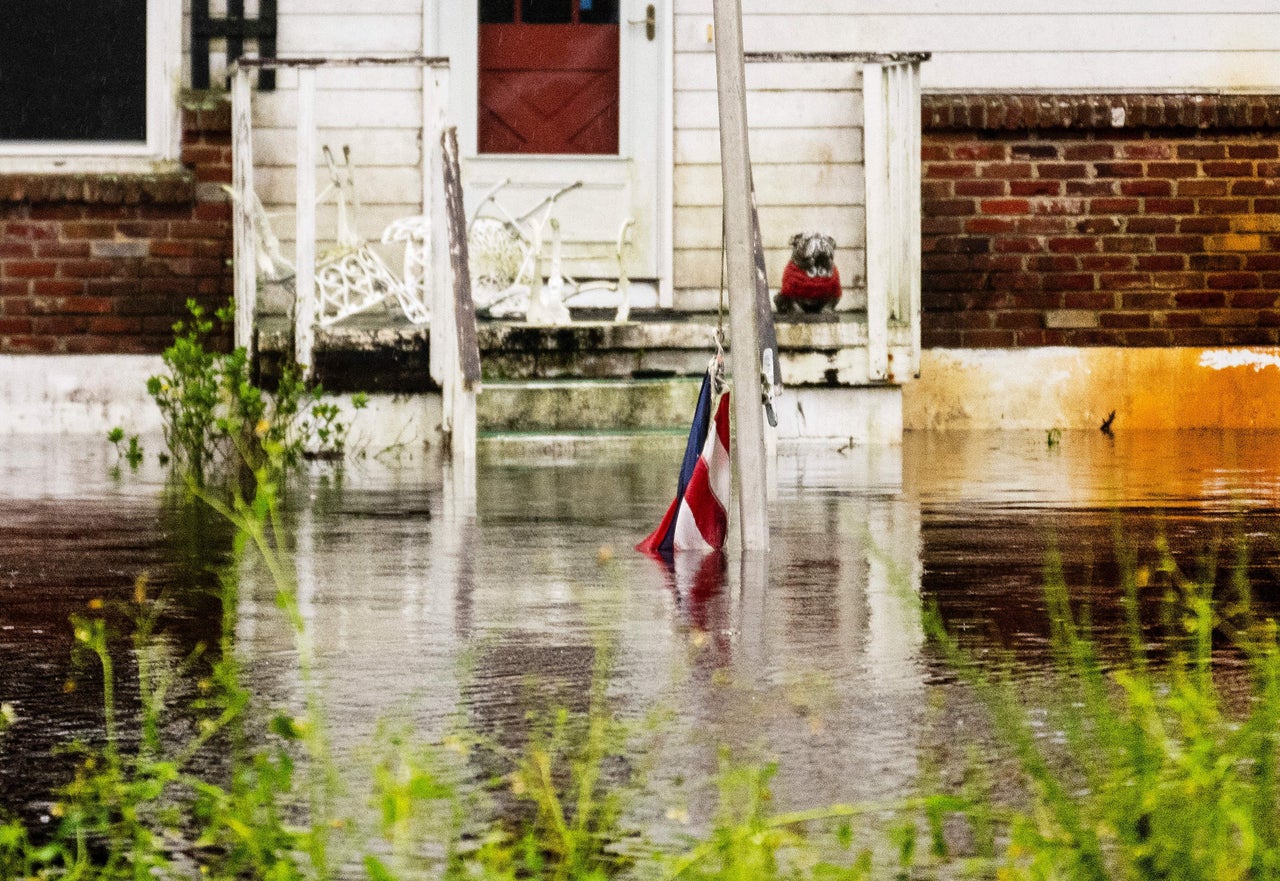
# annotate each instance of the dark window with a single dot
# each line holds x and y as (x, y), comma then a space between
(547, 11)
(74, 70)
(598, 11)
(497, 11)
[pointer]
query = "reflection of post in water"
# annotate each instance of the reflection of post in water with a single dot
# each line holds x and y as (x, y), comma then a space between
(456, 538)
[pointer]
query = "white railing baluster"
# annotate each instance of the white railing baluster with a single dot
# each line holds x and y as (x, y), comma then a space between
(879, 227)
(244, 238)
(304, 316)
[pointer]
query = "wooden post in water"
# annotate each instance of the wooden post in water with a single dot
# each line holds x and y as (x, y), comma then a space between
(735, 165)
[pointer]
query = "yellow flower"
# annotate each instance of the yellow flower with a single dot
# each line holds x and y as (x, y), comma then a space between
(261, 428)
(95, 604)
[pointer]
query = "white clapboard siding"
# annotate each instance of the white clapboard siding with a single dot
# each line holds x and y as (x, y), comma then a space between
(774, 146)
(787, 110)
(379, 147)
(700, 227)
(824, 184)
(301, 32)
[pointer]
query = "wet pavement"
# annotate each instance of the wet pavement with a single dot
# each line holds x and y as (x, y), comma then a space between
(420, 605)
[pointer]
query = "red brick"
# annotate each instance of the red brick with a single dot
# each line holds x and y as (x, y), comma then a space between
(15, 325)
(988, 225)
(1208, 225)
(939, 189)
(1092, 187)
(1068, 281)
(57, 287)
(25, 230)
(1172, 206)
(1200, 299)
(1172, 169)
(1182, 319)
(114, 324)
(1035, 187)
(1151, 225)
(1005, 206)
(1161, 262)
(213, 211)
(1127, 244)
(88, 230)
(1253, 299)
(1147, 150)
(85, 268)
(1269, 262)
(1053, 263)
(1020, 245)
(1145, 338)
(1106, 262)
(1015, 281)
(981, 150)
(1124, 281)
(1255, 187)
(1124, 319)
(27, 268)
(1145, 300)
(1089, 151)
(1180, 243)
(1253, 151)
(1097, 225)
(1034, 151)
(1234, 168)
(1089, 300)
(1220, 206)
(1233, 280)
(1044, 225)
(1119, 169)
(1116, 206)
(1079, 245)
(1018, 320)
(1146, 187)
(984, 339)
(1197, 337)
(1201, 187)
(951, 169)
(1216, 262)
(16, 249)
(1007, 170)
(1177, 280)
(934, 152)
(1061, 170)
(980, 187)
(1202, 151)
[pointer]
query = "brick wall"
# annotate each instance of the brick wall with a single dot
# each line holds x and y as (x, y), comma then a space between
(106, 263)
(1101, 220)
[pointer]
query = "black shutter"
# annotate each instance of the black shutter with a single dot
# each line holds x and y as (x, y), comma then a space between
(235, 29)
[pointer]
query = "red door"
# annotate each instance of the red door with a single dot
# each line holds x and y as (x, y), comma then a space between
(548, 76)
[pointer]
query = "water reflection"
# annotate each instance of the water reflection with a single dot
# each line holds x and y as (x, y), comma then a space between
(421, 596)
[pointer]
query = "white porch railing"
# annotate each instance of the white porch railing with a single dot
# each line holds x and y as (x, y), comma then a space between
(454, 362)
(891, 165)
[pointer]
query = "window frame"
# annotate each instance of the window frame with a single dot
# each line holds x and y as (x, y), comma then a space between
(163, 128)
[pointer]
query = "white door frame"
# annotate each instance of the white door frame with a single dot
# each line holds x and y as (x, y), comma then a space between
(451, 28)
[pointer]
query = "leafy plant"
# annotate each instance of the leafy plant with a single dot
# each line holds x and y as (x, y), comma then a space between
(130, 452)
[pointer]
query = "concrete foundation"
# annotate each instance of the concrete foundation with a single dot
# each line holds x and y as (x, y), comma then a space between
(77, 394)
(1070, 388)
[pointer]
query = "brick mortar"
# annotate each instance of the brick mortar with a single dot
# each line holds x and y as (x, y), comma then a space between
(1117, 112)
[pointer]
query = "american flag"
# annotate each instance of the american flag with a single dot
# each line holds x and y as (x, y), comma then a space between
(698, 518)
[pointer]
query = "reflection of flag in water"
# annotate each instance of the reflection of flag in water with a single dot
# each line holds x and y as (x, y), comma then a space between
(697, 518)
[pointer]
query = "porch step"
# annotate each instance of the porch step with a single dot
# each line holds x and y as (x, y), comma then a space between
(584, 406)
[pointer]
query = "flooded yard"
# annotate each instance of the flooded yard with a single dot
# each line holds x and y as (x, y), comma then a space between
(423, 609)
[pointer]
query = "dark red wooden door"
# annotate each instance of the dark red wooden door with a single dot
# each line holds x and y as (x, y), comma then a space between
(548, 88)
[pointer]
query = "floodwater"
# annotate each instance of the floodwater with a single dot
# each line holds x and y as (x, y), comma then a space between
(425, 607)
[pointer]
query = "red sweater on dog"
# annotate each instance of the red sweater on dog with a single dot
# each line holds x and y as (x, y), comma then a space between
(810, 289)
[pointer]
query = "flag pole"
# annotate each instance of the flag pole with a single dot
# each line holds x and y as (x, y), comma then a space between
(735, 165)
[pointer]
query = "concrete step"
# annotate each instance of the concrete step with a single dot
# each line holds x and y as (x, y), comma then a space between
(584, 406)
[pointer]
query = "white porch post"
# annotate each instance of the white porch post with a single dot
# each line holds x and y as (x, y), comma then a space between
(243, 232)
(304, 317)
(879, 224)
